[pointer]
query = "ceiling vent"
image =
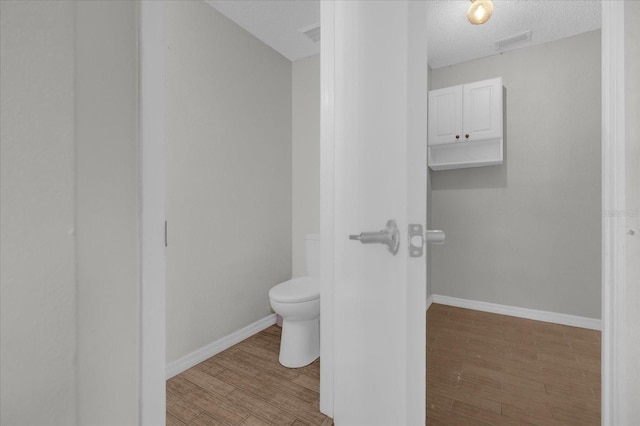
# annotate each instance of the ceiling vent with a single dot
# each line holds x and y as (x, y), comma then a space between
(312, 32)
(513, 41)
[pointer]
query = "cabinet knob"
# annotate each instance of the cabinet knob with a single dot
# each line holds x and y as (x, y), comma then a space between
(466, 136)
(457, 136)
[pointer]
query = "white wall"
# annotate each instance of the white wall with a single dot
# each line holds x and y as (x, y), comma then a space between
(69, 252)
(108, 303)
(305, 157)
(37, 248)
(228, 176)
(632, 76)
(526, 233)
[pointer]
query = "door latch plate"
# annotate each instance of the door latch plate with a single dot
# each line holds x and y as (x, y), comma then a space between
(416, 240)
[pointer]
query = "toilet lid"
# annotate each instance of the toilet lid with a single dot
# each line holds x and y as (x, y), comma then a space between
(300, 289)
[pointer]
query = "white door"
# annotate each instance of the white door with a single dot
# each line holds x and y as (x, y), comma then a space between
(482, 105)
(445, 112)
(374, 132)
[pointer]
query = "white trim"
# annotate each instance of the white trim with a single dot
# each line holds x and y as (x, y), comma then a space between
(327, 208)
(430, 301)
(614, 372)
(214, 348)
(514, 311)
(152, 175)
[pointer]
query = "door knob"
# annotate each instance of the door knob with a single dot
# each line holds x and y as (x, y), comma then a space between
(390, 236)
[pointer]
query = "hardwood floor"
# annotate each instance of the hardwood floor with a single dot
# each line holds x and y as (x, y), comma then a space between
(245, 385)
(482, 369)
(493, 369)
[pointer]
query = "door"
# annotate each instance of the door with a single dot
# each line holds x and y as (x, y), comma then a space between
(445, 115)
(373, 151)
(482, 104)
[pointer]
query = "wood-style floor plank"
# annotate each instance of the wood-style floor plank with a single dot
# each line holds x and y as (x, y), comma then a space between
(246, 386)
(493, 369)
(482, 369)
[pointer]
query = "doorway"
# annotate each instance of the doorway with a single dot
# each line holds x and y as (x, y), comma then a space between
(152, 256)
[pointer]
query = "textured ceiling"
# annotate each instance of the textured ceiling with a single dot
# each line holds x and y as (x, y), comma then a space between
(452, 39)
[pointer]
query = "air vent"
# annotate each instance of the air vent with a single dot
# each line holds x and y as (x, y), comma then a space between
(513, 41)
(313, 32)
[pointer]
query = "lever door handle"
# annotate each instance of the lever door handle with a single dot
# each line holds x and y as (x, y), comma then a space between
(435, 236)
(372, 237)
(417, 239)
(390, 236)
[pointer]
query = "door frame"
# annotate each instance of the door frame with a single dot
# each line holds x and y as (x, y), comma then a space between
(327, 208)
(152, 276)
(614, 409)
(153, 364)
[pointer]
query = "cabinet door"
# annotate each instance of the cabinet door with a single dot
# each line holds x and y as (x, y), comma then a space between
(445, 115)
(483, 109)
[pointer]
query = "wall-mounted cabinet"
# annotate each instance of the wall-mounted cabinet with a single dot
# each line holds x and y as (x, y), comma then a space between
(465, 125)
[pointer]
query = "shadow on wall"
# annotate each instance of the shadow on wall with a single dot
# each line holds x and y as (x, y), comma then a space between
(476, 177)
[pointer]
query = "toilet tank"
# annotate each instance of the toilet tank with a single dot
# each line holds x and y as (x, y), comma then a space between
(312, 253)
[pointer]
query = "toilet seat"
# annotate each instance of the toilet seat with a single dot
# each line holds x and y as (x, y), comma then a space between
(296, 290)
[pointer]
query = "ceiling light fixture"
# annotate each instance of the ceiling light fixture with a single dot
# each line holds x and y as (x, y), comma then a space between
(480, 11)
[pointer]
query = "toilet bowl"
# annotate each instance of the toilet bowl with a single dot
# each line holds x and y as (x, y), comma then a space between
(297, 301)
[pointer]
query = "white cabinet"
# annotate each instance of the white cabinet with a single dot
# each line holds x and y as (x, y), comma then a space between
(465, 125)
(445, 115)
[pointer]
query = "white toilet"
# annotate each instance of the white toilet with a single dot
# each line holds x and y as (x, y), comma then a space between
(297, 301)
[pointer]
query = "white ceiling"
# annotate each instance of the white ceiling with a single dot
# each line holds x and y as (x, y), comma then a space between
(276, 22)
(452, 39)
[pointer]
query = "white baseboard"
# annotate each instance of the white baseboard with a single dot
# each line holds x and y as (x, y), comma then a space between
(514, 311)
(178, 366)
(429, 301)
